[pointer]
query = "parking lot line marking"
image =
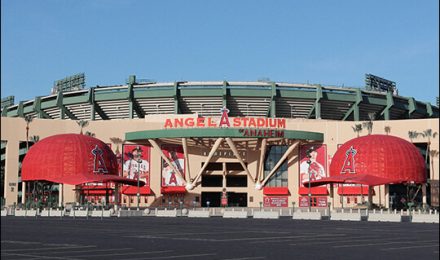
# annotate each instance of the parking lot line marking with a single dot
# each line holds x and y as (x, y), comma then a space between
(83, 251)
(40, 257)
(133, 253)
(385, 243)
(245, 258)
(256, 238)
(171, 256)
(323, 236)
(20, 242)
(48, 248)
(409, 247)
(375, 238)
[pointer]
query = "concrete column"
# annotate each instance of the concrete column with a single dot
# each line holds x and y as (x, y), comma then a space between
(61, 195)
(23, 192)
(225, 172)
(424, 193)
(387, 196)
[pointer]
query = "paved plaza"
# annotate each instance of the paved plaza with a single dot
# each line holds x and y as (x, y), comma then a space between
(214, 238)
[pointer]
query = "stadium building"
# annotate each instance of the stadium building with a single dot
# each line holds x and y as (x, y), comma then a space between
(213, 144)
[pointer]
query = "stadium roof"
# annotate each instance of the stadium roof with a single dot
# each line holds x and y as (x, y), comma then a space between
(262, 99)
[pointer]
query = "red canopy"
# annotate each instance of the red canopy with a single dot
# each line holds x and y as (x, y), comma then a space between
(71, 159)
(376, 160)
(276, 191)
(172, 189)
(132, 190)
(313, 191)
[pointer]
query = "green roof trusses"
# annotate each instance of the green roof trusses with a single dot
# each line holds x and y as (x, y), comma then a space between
(135, 100)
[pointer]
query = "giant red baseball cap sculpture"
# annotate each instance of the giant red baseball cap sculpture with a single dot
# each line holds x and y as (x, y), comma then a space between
(72, 159)
(376, 160)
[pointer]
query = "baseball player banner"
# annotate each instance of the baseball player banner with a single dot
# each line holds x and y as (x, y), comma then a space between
(313, 158)
(175, 154)
(137, 162)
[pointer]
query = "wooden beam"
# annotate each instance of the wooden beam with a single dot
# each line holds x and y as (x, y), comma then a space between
(157, 148)
(214, 148)
(185, 154)
(282, 159)
(260, 170)
(240, 160)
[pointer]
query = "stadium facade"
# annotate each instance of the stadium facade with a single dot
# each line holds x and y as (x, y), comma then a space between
(246, 144)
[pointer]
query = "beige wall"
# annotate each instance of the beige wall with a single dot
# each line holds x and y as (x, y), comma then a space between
(13, 130)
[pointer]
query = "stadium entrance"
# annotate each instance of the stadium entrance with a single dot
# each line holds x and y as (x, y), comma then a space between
(234, 199)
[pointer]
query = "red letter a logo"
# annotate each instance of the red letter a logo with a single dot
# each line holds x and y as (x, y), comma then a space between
(349, 163)
(98, 161)
(225, 118)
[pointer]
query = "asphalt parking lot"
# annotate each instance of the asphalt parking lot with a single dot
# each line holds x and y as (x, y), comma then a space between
(214, 238)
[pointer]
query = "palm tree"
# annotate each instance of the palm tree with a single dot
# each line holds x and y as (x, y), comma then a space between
(428, 134)
(116, 141)
(433, 153)
(28, 120)
(413, 135)
(35, 138)
(82, 124)
(387, 129)
(369, 123)
(357, 128)
(90, 134)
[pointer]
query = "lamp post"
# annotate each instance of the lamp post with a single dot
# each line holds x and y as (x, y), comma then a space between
(138, 185)
(309, 162)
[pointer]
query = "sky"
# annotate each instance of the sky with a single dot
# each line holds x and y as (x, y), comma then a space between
(296, 41)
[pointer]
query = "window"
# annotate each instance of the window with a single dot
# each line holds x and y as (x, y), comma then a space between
(213, 166)
(212, 180)
(273, 155)
(236, 181)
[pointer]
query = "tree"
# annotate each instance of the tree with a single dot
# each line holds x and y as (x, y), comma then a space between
(428, 133)
(369, 123)
(90, 134)
(357, 128)
(82, 124)
(387, 129)
(433, 153)
(116, 141)
(413, 135)
(34, 138)
(28, 119)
